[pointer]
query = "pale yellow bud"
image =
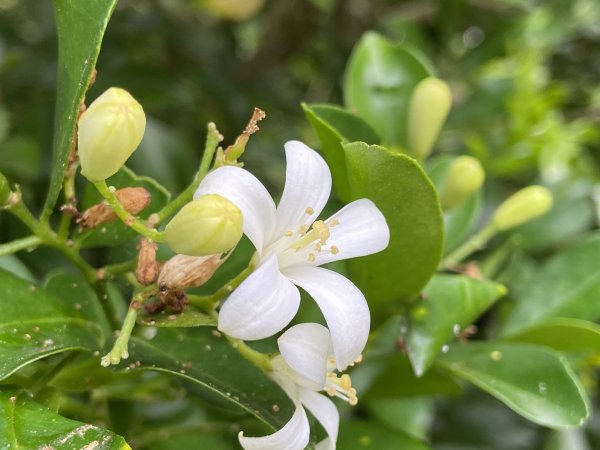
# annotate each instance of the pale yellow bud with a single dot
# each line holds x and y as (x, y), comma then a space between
(464, 177)
(429, 106)
(208, 225)
(522, 206)
(109, 131)
(236, 10)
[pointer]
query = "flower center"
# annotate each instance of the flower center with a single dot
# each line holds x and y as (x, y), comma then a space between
(304, 243)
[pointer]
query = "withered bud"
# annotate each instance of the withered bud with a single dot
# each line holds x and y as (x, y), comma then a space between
(182, 271)
(146, 271)
(133, 199)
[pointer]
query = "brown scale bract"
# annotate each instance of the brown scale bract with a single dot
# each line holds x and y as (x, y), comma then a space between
(182, 271)
(146, 270)
(133, 200)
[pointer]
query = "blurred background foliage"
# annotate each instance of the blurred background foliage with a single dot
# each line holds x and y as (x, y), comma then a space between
(524, 77)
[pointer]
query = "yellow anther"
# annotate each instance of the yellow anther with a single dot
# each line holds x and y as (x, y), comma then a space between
(351, 392)
(289, 233)
(311, 257)
(359, 359)
(345, 382)
(334, 250)
(318, 247)
(331, 391)
(353, 401)
(322, 230)
(309, 211)
(303, 228)
(334, 222)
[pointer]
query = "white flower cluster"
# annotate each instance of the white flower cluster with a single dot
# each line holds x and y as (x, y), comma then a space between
(290, 246)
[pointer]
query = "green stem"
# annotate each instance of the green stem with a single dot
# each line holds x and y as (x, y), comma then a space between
(27, 243)
(132, 222)
(475, 243)
(120, 348)
(213, 137)
(117, 268)
(260, 360)
(211, 301)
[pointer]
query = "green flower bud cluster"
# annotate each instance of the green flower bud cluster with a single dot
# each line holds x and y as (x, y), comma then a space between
(109, 131)
(209, 225)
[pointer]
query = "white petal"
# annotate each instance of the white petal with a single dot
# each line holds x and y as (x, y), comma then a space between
(344, 308)
(305, 348)
(293, 436)
(362, 230)
(326, 413)
(261, 306)
(307, 185)
(245, 191)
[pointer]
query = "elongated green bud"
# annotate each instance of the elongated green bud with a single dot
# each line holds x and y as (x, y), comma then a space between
(464, 177)
(522, 206)
(429, 107)
(208, 225)
(110, 130)
(4, 189)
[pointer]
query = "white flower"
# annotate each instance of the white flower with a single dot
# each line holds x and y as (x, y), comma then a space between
(304, 367)
(290, 245)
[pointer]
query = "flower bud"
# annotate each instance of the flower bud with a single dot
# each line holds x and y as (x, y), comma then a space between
(109, 131)
(209, 225)
(133, 200)
(4, 189)
(464, 177)
(523, 206)
(429, 107)
(236, 10)
(182, 271)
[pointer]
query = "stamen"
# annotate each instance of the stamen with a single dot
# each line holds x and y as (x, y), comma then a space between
(318, 247)
(309, 211)
(334, 250)
(311, 257)
(289, 233)
(334, 222)
(322, 230)
(303, 228)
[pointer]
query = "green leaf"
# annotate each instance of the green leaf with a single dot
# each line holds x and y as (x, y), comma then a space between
(534, 381)
(563, 335)
(379, 81)
(451, 303)
(407, 199)
(568, 285)
(185, 319)
(80, 28)
(207, 359)
(117, 232)
(335, 126)
(24, 424)
(35, 324)
(361, 435)
(411, 415)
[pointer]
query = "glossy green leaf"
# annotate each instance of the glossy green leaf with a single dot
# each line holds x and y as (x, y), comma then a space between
(79, 297)
(335, 126)
(407, 199)
(534, 381)
(362, 435)
(411, 415)
(568, 285)
(35, 324)
(25, 424)
(202, 357)
(116, 232)
(379, 81)
(185, 319)
(80, 29)
(563, 335)
(450, 303)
